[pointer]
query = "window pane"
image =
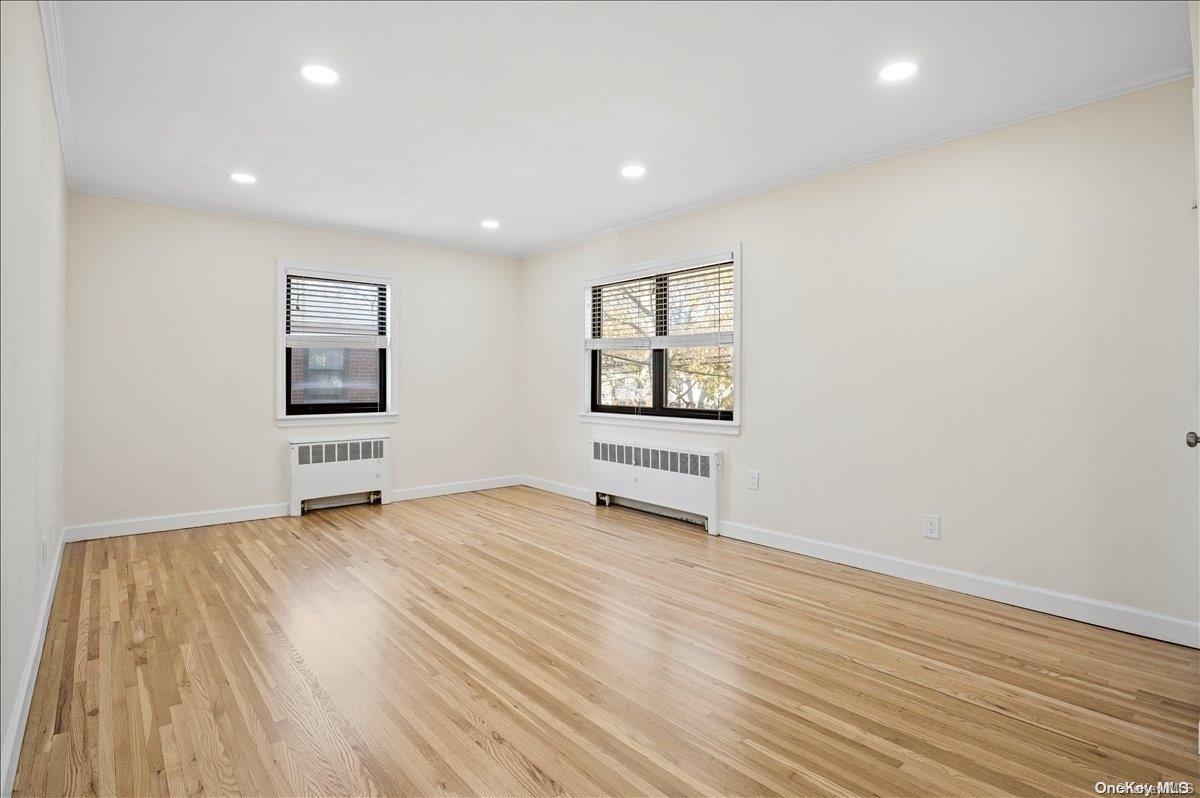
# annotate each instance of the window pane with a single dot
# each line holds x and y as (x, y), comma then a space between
(625, 310)
(331, 376)
(700, 301)
(700, 378)
(625, 378)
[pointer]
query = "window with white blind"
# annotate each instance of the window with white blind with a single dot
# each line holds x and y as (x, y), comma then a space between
(661, 342)
(335, 334)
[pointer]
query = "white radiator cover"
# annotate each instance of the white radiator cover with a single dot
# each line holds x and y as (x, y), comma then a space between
(668, 476)
(324, 467)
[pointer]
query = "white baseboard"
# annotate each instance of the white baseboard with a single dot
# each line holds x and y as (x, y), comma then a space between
(231, 515)
(1065, 605)
(558, 487)
(14, 730)
(164, 523)
(445, 488)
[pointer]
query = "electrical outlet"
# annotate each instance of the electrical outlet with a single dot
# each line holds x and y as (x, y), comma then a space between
(933, 527)
(541, 457)
(752, 481)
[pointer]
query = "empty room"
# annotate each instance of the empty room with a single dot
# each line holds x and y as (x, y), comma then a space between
(600, 398)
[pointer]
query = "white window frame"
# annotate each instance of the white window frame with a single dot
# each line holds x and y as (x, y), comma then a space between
(333, 272)
(647, 269)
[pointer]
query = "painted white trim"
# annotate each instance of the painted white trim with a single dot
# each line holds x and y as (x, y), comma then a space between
(331, 438)
(334, 271)
(57, 65)
(1079, 608)
(336, 420)
(1107, 93)
(169, 523)
(583, 494)
(1065, 605)
(54, 55)
(390, 279)
(14, 729)
(203, 207)
(51, 33)
(445, 488)
(663, 422)
(232, 515)
(655, 267)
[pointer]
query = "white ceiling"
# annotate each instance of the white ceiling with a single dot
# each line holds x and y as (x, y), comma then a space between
(450, 113)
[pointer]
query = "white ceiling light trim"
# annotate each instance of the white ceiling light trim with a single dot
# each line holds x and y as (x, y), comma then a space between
(490, 224)
(1107, 93)
(319, 74)
(898, 71)
(1036, 112)
(84, 175)
(245, 178)
(633, 171)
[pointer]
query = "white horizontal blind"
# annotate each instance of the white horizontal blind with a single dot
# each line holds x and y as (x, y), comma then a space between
(343, 314)
(623, 315)
(690, 308)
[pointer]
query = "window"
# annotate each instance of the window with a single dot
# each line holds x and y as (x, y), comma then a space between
(662, 344)
(336, 342)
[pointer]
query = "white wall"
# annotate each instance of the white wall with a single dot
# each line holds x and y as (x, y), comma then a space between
(171, 360)
(33, 216)
(1001, 330)
(1194, 30)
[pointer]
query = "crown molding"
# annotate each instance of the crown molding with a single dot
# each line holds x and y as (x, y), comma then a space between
(96, 191)
(1025, 115)
(56, 62)
(1185, 31)
(57, 67)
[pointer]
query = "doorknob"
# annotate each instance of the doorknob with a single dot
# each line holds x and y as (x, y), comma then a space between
(1192, 439)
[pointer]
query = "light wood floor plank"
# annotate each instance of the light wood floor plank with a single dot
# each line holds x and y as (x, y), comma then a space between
(515, 642)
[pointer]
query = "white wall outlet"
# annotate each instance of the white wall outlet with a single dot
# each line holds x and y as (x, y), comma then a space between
(541, 457)
(752, 481)
(933, 527)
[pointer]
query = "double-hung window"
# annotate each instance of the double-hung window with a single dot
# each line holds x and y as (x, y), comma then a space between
(662, 343)
(336, 342)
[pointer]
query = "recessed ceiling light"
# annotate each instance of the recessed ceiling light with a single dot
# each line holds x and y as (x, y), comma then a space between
(633, 170)
(242, 177)
(490, 224)
(319, 74)
(897, 71)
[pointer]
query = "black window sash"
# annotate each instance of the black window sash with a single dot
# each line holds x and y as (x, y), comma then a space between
(336, 408)
(658, 366)
(331, 408)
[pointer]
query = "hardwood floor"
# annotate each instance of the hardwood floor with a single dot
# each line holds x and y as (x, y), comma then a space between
(515, 642)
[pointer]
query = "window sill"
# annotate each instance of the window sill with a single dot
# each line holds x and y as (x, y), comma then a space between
(663, 422)
(335, 419)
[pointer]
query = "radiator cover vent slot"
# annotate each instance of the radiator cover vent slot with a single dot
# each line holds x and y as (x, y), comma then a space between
(666, 476)
(321, 453)
(321, 469)
(688, 463)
